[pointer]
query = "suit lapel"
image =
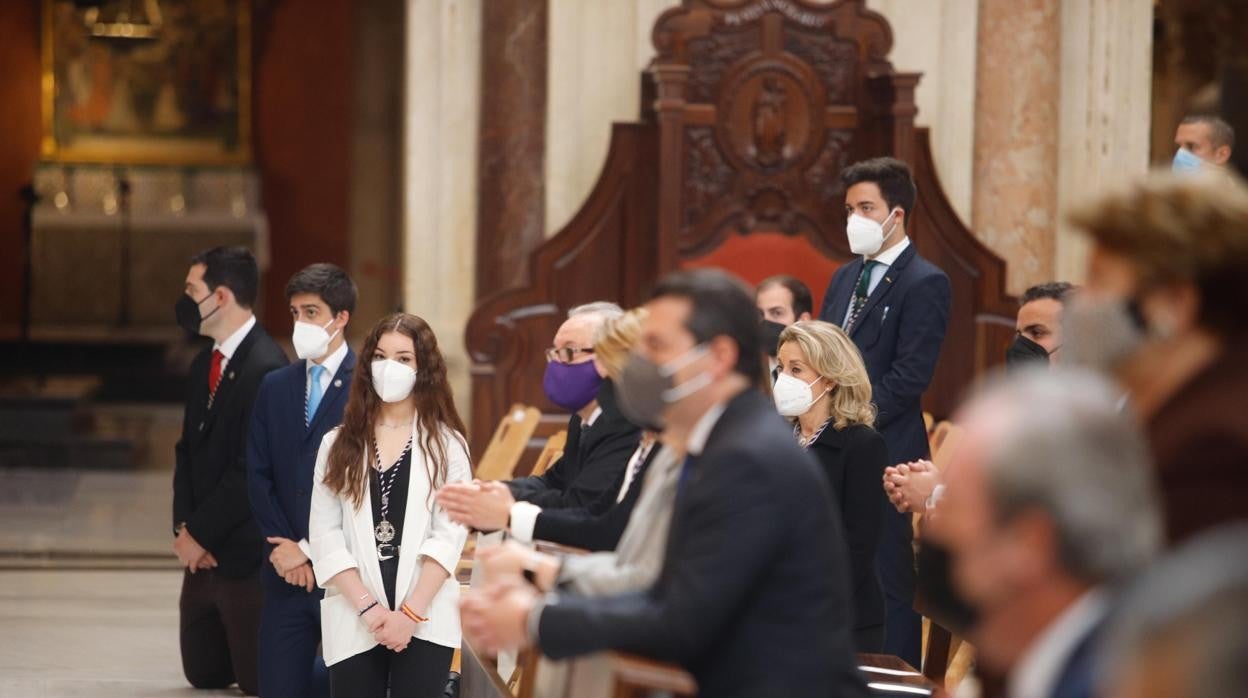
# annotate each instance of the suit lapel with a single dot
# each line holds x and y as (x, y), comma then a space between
(229, 376)
(339, 384)
(894, 272)
(844, 293)
(366, 544)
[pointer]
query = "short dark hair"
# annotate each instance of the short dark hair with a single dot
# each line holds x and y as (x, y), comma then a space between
(1220, 132)
(802, 301)
(234, 268)
(329, 282)
(891, 175)
(1057, 290)
(722, 305)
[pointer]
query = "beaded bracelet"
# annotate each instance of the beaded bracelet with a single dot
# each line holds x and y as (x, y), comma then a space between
(367, 608)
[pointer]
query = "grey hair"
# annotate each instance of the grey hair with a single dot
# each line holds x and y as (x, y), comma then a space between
(1195, 599)
(605, 310)
(1067, 449)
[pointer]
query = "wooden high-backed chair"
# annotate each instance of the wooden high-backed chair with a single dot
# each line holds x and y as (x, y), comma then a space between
(511, 437)
(750, 110)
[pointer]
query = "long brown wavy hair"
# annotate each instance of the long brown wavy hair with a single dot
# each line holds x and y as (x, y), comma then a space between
(347, 467)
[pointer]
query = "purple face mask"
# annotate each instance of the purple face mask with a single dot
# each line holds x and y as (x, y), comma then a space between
(571, 386)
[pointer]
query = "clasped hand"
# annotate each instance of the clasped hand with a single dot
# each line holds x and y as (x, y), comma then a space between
(391, 629)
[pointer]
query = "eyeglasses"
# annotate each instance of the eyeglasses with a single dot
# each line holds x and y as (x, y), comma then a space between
(565, 355)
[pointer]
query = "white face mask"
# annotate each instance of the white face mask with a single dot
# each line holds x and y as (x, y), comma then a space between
(792, 396)
(866, 237)
(392, 380)
(311, 342)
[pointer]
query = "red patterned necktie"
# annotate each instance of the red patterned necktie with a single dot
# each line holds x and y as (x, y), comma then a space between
(214, 373)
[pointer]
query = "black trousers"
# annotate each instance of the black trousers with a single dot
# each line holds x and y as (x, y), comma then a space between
(219, 627)
(420, 671)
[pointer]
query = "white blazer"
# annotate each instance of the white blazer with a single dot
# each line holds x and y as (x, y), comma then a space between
(341, 537)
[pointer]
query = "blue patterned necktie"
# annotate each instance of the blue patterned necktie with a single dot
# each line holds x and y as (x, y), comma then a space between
(315, 393)
(862, 291)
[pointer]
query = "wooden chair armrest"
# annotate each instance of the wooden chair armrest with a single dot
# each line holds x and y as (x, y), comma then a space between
(634, 677)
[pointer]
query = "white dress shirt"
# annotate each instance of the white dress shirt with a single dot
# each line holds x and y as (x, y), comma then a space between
(701, 431)
(1041, 665)
(230, 345)
(331, 364)
(886, 260)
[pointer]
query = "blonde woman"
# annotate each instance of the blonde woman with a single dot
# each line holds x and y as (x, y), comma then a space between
(823, 387)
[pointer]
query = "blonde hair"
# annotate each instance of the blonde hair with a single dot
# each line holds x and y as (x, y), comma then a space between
(832, 354)
(615, 338)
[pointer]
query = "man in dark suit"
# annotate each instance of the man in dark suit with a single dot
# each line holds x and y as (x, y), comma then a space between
(295, 408)
(600, 440)
(895, 306)
(216, 538)
(1049, 506)
(753, 594)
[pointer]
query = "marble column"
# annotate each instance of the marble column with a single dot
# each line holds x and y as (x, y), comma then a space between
(937, 38)
(1106, 86)
(512, 146)
(597, 53)
(441, 108)
(1017, 90)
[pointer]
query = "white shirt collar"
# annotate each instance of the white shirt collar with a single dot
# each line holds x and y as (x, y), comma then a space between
(230, 345)
(1042, 662)
(593, 417)
(331, 362)
(891, 254)
(702, 430)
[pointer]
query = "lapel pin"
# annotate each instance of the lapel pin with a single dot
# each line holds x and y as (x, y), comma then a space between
(338, 383)
(231, 375)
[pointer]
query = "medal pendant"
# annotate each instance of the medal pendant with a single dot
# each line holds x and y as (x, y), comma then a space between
(384, 531)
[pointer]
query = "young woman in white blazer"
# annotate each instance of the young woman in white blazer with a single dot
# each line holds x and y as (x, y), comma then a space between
(381, 547)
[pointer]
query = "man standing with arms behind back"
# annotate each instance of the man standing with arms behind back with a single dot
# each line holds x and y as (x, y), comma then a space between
(216, 538)
(895, 306)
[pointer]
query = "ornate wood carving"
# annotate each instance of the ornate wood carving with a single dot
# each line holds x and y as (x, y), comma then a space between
(752, 109)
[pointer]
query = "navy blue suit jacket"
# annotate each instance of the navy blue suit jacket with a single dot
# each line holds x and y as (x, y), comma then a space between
(899, 332)
(281, 450)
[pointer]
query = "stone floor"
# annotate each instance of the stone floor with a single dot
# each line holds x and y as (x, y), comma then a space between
(103, 634)
(88, 586)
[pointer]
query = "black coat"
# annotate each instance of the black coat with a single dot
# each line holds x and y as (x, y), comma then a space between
(753, 595)
(599, 526)
(853, 460)
(593, 460)
(210, 472)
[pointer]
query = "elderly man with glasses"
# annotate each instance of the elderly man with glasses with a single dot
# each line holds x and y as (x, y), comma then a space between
(600, 439)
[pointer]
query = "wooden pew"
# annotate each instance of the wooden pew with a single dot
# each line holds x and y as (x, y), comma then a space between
(552, 452)
(511, 437)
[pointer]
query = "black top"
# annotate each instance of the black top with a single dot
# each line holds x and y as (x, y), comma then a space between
(593, 460)
(600, 526)
(395, 513)
(752, 598)
(853, 460)
(210, 474)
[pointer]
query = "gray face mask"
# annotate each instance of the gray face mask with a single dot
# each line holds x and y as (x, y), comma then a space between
(644, 388)
(1100, 335)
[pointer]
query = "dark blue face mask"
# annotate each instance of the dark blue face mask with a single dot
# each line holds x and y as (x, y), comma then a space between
(571, 386)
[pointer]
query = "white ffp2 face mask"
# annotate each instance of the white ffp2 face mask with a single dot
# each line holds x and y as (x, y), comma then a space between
(792, 396)
(311, 342)
(866, 237)
(392, 380)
